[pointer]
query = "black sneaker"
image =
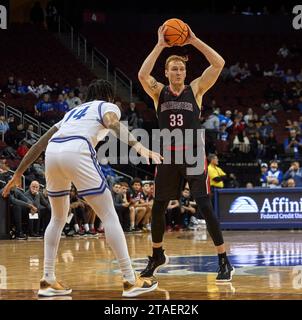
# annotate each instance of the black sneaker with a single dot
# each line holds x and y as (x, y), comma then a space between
(35, 235)
(154, 264)
(225, 273)
(21, 236)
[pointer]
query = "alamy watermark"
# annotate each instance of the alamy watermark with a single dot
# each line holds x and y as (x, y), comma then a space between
(177, 147)
(3, 17)
(297, 21)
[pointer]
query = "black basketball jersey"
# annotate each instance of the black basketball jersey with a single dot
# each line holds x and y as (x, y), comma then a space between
(178, 112)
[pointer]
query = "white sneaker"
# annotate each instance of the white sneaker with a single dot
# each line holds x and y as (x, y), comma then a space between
(141, 285)
(55, 289)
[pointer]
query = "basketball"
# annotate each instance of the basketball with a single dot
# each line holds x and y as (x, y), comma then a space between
(176, 33)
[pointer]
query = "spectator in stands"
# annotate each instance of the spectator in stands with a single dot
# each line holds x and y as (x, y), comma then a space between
(186, 209)
(72, 100)
(295, 173)
(133, 117)
(241, 144)
(245, 72)
(274, 175)
(250, 116)
(4, 127)
(223, 135)
(269, 117)
(32, 88)
(121, 206)
(44, 88)
(20, 88)
(289, 76)
(38, 169)
(238, 125)
(56, 89)
(256, 146)
(124, 190)
(21, 205)
(17, 136)
(66, 89)
(80, 88)
(293, 144)
(257, 71)
(11, 122)
(226, 118)
(10, 86)
(235, 70)
(212, 122)
(296, 126)
(22, 149)
(123, 113)
(10, 152)
(38, 200)
(147, 199)
(263, 175)
(137, 211)
(265, 129)
(277, 71)
(61, 105)
(251, 129)
(249, 185)
(30, 137)
(276, 105)
(290, 183)
(5, 174)
(44, 105)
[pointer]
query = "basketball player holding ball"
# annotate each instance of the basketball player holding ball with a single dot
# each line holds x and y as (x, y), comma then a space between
(178, 106)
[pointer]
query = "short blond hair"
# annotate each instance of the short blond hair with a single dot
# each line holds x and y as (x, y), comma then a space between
(174, 57)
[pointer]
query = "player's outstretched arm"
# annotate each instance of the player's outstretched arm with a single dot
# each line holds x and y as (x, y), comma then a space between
(150, 85)
(32, 154)
(211, 74)
(111, 121)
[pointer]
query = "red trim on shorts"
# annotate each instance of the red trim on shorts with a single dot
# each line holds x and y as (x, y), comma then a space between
(207, 176)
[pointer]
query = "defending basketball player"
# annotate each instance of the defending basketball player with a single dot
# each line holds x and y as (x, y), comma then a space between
(70, 157)
(169, 101)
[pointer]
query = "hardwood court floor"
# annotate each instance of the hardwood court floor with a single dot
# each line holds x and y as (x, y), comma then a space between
(268, 266)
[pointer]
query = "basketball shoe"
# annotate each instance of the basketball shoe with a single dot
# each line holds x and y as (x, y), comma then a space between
(154, 264)
(140, 286)
(55, 289)
(225, 272)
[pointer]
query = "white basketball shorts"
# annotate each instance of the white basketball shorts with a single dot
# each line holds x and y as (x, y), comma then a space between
(72, 160)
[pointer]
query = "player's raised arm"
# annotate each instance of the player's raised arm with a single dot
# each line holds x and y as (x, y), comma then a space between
(150, 85)
(203, 83)
(112, 122)
(33, 153)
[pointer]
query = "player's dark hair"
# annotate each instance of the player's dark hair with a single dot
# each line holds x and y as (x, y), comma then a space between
(100, 89)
